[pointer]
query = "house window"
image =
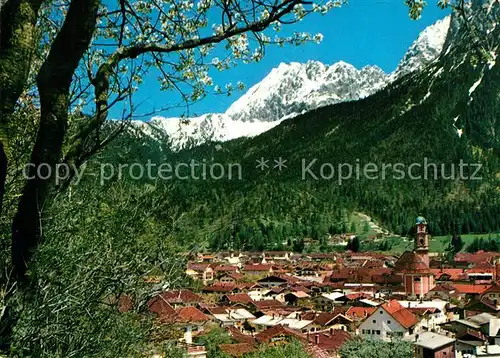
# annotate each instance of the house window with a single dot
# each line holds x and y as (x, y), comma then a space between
(374, 321)
(378, 332)
(373, 331)
(389, 322)
(416, 279)
(381, 312)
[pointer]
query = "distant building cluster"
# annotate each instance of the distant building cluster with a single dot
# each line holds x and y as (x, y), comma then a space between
(325, 299)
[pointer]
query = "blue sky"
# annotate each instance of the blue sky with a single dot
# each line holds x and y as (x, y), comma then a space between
(363, 32)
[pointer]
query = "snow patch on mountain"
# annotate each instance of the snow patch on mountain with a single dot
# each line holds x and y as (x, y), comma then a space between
(214, 127)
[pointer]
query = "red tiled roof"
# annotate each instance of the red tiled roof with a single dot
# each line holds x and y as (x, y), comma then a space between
(258, 267)
(308, 316)
(401, 314)
(411, 262)
(453, 273)
(240, 337)
(490, 303)
(198, 267)
(482, 267)
(470, 289)
(180, 296)
(476, 334)
(216, 310)
(163, 310)
(359, 312)
(237, 349)
(220, 287)
(268, 304)
(480, 256)
(443, 288)
(239, 298)
(300, 288)
(325, 318)
(278, 330)
(331, 341)
(191, 314)
(226, 268)
(276, 290)
(422, 310)
(493, 289)
(236, 276)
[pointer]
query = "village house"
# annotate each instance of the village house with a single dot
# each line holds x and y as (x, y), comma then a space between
(242, 299)
(326, 301)
(230, 278)
(326, 321)
(229, 316)
(221, 270)
(277, 256)
(476, 335)
(272, 281)
(432, 345)
(493, 293)
(389, 320)
(200, 271)
(432, 313)
(258, 269)
(296, 298)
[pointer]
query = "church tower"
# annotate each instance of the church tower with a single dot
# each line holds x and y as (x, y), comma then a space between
(422, 239)
(413, 266)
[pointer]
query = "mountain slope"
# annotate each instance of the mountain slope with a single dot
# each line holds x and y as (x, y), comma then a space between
(446, 114)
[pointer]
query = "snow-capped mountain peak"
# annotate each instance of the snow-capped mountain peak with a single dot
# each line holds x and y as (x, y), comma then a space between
(425, 49)
(294, 88)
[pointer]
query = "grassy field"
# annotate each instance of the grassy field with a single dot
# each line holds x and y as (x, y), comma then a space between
(366, 228)
(436, 244)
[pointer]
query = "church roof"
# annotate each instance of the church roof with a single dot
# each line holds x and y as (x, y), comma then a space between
(421, 220)
(411, 262)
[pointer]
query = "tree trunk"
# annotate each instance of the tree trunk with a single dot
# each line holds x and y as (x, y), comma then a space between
(3, 175)
(17, 43)
(54, 80)
(17, 36)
